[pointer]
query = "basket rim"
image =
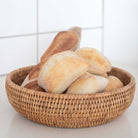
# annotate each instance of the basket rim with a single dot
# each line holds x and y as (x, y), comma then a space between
(100, 94)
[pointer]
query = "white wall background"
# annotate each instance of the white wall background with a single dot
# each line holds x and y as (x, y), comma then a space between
(27, 28)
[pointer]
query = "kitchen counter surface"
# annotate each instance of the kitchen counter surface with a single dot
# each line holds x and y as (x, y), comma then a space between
(13, 125)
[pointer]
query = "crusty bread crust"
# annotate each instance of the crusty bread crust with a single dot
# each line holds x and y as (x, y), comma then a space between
(88, 84)
(60, 71)
(66, 40)
(99, 64)
(35, 71)
(34, 86)
(114, 83)
(63, 41)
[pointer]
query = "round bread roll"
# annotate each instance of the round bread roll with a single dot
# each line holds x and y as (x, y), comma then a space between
(114, 83)
(60, 70)
(88, 84)
(99, 64)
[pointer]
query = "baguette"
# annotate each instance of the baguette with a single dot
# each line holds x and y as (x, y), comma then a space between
(66, 40)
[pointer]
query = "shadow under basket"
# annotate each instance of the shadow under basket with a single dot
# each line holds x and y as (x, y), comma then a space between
(68, 110)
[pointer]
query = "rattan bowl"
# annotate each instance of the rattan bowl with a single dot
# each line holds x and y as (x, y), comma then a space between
(69, 111)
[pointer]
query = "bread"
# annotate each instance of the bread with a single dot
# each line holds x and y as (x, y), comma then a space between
(114, 83)
(77, 31)
(35, 71)
(33, 74)
(66, 40)
(88, 84)
(60, 71)
(34, 86)
(104, 75)
(99, 64)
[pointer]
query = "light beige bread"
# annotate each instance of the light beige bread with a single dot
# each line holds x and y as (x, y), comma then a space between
(114, 83)
(88, 84)
(60, 71)
(99, 64)
(66, 40)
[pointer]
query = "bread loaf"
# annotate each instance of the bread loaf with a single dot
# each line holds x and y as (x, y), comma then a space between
(114, 83)
(99, 64)
(66, 40)
(88, 84)
(60, 71)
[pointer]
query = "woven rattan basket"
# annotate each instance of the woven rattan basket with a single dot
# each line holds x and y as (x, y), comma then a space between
(69, 111)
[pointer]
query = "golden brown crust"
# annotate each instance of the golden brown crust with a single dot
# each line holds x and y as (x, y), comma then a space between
(63, 41)
(98, 63)
(35, 71)
(114, 83)
(34, 86)
(60, 71)
(88, 84)
(66, 40)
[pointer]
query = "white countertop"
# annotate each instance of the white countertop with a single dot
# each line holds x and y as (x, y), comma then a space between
(13, 125)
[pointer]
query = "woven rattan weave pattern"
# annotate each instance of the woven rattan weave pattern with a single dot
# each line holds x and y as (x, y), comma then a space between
(69, 111)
